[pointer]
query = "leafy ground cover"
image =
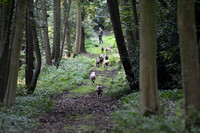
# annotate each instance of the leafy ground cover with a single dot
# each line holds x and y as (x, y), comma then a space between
(52, 81)
(65, 100)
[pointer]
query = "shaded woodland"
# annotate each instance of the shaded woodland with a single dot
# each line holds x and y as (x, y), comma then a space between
(56, 76)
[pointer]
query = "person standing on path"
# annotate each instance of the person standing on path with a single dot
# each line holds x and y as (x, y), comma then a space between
(100, 35)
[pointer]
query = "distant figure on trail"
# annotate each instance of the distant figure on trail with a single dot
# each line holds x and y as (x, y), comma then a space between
(100, 35)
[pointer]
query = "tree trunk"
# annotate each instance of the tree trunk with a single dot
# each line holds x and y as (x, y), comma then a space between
(67, 9)
(69, 47)
(62, 48)
(33, 31)
(68, 29)
(199, 53)
(1, 20)
(45, 34)
(82, 47)
(5, 47)
(189, 60)
(5, 15)
(83, 50)
(56, 40)
(130, 39)
(148, 70)
(29, 46)
(133, 4)
(13, 75)
(115, 19)
(78, 29)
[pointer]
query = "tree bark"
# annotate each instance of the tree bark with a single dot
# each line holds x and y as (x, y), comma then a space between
(115, 19)
(130, 37)
(45, 34)
(134, 9)
(67, 6)
(1, 20)
(5, 47)
(189, 60)
(82, 47)
(33, 31)
(12, 82)
(199, 53)
(148, 70)
(33, 84)
(29, 45)
(68, 29)
(83, 50)
(78, 29)
(56, 40)
(62, 48)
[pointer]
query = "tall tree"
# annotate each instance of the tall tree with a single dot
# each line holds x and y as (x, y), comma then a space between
(134, 9)
(148, 70)
(29, 45)
(1, 15)
(115, 19)
(189, 59)
(130, 40)
(5, 44)
(33, 82)
(82, 47)
(45, 33)
(66, 17)
(78, 28)
(56, 40)
(197, 11)
(68, 29)
(12, 82)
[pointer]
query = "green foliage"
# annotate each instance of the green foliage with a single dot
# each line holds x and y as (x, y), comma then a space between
(14, 123)
(114, 60)
(98, 14)
(172, 95)
(168, 56)
(71, 73)
(171, 119)
(51, 82)
(4, 2)
(118, 85)
(18, 118)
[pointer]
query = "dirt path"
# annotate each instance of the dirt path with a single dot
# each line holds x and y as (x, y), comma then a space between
(80, 112)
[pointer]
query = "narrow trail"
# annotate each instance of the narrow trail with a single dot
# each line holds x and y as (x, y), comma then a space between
(81, 112)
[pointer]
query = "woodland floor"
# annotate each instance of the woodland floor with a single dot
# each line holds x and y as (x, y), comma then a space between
(79, 111)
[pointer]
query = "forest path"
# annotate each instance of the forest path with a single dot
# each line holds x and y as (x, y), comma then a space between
(78, 110)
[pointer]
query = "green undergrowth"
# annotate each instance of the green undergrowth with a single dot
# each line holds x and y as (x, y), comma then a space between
(72, 75)
(171, 119)
(118, 84)
(51, 82)
(129, 119)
